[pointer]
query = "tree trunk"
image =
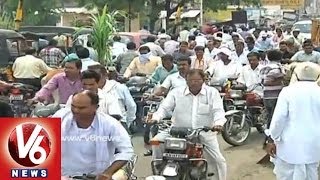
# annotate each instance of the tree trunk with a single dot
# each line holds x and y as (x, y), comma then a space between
(153, 16)
(168, 9)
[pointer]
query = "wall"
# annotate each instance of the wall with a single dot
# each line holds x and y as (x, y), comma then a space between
(67, 19)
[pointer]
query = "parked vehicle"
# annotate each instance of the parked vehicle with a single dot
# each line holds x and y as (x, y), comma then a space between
(245, 110)
(183, 156)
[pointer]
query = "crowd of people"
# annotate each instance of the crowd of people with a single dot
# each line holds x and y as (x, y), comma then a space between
(181, 64)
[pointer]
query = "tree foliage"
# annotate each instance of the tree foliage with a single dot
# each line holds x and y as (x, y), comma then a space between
(35, 12)
(152, 8)
(122, 5)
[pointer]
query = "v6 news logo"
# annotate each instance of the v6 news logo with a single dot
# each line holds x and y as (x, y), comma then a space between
(34, 149)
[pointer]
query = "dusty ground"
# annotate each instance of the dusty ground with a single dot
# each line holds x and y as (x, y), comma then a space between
(241, 161)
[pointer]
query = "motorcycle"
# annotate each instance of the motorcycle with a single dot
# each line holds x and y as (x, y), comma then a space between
(151, 106)
(19, 95)
(138, 85)
(183, 156)
(245, 110)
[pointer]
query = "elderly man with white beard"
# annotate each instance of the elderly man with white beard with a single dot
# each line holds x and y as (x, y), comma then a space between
(293, 140)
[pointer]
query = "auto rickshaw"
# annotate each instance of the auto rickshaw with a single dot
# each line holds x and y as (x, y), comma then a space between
(12, 45)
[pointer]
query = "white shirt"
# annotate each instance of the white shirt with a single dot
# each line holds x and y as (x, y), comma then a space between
(88, 62)
(184, 35)
(155, 49)
(171, 46)
(107, 104)
(250, 77)
(173, 80)
(93, 154)
(164, 36)
(242, 59)
(295, 123)
(121, 92)
(201, 41)
(80, 162)
(193, 111)
(231, 45)
(207, 62)
(221, 72)
(211, 54)
(118, 48)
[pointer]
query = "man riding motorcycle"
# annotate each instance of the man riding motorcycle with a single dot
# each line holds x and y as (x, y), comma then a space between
(249, 76)
(96, 156)
(109, 85)
(108, 104)
(177, 79)
(67, 83)
(194, 106)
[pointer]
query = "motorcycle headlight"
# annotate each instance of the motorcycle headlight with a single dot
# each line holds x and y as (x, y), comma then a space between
(175, 144)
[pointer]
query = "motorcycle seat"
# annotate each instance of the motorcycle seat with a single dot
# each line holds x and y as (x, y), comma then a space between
(179, 131)
(237, 87)
(24, 86)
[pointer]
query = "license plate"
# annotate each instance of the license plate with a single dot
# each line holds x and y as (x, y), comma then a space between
(175, 156)
(16, 97)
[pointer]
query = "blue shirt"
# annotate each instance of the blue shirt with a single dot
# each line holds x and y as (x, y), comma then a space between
(161, 73)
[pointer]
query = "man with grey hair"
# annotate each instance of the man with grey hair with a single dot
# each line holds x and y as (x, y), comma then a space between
(293, 137)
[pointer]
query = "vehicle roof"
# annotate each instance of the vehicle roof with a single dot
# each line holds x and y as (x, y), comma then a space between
(55, 29)
(304, 22)
(133, 33)
(10, 34)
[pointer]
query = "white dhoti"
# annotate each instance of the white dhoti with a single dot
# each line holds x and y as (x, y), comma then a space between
(216, 162)
(286, 171)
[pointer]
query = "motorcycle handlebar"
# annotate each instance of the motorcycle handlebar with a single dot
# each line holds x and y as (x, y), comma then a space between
(151, 97)
(199, 130)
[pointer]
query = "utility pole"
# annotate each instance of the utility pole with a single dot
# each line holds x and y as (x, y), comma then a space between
(129, 15)
(201, 12)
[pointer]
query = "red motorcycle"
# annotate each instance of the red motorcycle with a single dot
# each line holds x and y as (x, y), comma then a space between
(19, 95)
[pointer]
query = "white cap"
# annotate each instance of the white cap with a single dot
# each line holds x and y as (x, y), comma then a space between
(307, 71)
(264, 34)
(297, 30)
(218, 39)
(225, 51)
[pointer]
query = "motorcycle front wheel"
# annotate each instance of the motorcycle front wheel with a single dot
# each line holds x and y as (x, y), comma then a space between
(232, 132)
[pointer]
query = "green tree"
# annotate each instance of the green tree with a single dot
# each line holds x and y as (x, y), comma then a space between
(35, 12)
(152, 8)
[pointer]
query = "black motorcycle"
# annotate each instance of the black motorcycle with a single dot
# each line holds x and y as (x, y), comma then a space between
(138, 86)
(244, 110)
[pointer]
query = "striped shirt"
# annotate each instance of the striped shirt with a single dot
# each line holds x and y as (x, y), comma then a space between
(272, 73)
